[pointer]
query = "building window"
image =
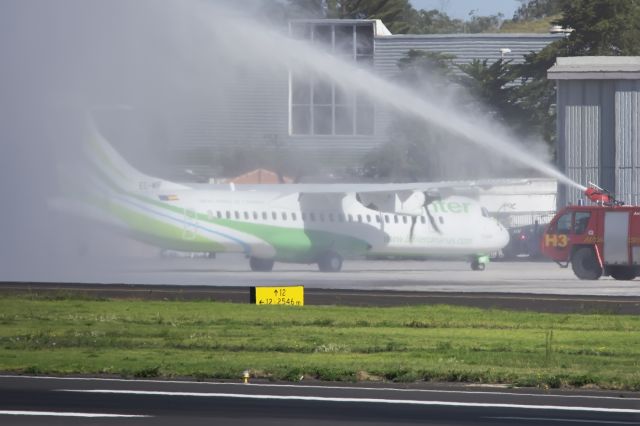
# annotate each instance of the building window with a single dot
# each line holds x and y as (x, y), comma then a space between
(324, 107)
(264, 215)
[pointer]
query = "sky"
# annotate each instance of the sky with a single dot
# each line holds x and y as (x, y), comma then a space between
(460, 8)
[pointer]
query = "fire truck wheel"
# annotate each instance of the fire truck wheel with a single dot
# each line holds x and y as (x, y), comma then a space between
(623, 273)
(585, 264)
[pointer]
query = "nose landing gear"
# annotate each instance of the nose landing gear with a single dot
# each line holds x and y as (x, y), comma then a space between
(479, 263)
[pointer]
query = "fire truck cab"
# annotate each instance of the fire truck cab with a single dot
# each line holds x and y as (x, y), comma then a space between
(597, 240)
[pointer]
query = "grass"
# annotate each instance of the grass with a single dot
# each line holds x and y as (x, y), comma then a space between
(66, 335)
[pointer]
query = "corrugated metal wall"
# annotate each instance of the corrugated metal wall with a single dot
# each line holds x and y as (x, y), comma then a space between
(255, 111)
(627, 108)
(598, 136)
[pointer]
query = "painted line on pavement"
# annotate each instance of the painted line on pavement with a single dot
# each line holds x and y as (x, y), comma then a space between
(356, 400)
(64, 414)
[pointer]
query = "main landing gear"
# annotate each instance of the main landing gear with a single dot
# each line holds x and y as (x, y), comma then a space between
(330, 262)
(261, 265)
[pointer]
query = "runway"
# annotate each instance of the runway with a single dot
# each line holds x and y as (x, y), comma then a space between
(87, 401)
(228, 270)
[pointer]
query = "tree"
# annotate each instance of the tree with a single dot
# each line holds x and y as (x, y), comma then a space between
(398, 15)
(601, 27)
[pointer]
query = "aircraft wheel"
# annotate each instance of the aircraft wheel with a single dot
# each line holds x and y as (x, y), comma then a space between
(585, 264)
(476, 265)
(623, 273)
(261, 265)
(330, 262)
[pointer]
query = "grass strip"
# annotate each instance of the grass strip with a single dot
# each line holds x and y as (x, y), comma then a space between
(206, 339)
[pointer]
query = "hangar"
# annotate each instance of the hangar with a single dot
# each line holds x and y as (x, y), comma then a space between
(598, 124)
(296, 114)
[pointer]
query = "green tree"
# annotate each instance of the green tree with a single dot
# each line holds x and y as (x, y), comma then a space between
(398, 15)
(598, 27)
(601, 27)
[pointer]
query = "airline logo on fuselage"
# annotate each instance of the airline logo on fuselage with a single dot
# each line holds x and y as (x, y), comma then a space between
(450, 207)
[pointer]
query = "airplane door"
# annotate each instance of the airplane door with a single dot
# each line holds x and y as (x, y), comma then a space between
(190, 224)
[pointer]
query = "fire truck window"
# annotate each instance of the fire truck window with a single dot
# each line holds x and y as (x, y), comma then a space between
(564, 224)
(581, 222)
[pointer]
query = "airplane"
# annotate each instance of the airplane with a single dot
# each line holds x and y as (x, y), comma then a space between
(299, 223)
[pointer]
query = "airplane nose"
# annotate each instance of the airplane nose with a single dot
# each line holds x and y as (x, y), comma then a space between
(504, 236)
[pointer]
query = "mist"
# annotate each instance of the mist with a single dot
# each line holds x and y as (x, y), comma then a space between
(148, 70)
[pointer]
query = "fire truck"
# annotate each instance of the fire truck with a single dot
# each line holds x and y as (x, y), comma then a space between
(600, 239)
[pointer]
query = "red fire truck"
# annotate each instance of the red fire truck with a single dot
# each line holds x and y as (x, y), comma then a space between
(600, 239)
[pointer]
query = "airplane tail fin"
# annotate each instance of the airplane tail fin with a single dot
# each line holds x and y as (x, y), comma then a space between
(115, 169)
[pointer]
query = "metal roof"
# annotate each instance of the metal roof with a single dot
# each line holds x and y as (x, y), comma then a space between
(596, 68)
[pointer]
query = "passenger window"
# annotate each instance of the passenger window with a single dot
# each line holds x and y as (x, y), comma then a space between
(395, 218)
(386, 218)
(284, 216)
(563, 225)
(368, 218)
(581, 222)
(274, 215)
(293, 216)
(264, 215)
(377, 218)
(359, 218)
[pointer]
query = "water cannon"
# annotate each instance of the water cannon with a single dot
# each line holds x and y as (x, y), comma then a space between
(601, 196)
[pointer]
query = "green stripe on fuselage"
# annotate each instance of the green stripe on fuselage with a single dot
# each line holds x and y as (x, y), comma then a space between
(290, 244)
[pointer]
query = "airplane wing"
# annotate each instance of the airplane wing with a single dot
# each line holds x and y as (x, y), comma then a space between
(399, 198)
(361, 188)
